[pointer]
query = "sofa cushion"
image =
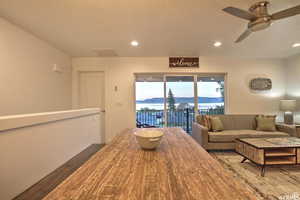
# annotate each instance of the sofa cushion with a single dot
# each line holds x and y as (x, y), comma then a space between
(231, 135)
(238, 122)
(204, 120)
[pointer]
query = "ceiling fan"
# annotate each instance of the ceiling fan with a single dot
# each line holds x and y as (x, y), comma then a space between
(258, 16)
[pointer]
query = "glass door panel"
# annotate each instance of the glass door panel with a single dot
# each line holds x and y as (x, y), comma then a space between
(180, 101)
(211, 93)
(149, 101)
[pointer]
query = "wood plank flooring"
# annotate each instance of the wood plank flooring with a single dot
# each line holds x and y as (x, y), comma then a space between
(178, 170)
(47, 184)
(278, 181)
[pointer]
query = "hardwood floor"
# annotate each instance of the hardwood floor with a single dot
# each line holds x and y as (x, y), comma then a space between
(178, 170)
(279, 181)
(47, 184)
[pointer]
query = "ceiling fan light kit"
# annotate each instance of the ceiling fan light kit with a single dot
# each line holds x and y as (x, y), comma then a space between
(258, 16)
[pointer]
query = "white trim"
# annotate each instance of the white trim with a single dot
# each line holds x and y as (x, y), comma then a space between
(75, 82)
(165, 103)
(226, 104)
(21, 121)
(196, 94)
(77, 69)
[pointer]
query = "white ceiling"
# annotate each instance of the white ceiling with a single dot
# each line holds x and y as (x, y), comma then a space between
(163, 27)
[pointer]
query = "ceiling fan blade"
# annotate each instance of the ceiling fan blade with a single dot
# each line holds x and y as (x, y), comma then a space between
(244, 36)
(240, 13)
(286, 13)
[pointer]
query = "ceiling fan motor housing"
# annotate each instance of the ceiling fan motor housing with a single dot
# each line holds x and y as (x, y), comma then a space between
(260, 9)
(264, 20)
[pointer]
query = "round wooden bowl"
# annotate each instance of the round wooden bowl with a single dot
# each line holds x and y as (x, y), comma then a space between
(149, 139)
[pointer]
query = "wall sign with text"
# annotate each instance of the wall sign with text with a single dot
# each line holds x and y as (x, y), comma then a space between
(183, 62)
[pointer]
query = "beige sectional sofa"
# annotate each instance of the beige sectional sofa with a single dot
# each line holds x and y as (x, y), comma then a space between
(235, 126)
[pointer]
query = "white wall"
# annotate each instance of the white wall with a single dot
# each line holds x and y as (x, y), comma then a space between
(48, 140)
(27, 82)
(293, 81)
(120, 72)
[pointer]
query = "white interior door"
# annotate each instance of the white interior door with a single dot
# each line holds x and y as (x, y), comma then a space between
(91, 94)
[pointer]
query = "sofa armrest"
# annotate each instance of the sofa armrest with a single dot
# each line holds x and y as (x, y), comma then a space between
(200, 134)
(290, 129)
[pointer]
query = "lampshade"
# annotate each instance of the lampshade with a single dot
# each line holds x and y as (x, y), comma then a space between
(287, 105)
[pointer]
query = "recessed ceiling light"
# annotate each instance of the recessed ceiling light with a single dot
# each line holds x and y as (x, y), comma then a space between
(218, 44)
(134, 43)
(296, 45)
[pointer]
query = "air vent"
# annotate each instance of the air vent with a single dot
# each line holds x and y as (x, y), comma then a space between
(105, 52)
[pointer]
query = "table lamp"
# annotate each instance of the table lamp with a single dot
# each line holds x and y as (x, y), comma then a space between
(288, 106)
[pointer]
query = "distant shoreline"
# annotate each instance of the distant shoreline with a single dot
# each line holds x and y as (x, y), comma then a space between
(190, 100)
(160, 106)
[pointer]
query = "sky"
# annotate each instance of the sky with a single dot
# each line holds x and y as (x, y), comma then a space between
(147, 90)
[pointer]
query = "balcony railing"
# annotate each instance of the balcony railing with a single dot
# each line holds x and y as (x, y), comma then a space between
(177, 118)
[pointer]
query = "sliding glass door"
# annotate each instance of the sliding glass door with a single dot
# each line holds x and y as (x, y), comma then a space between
(180, 101)
(149, 100)
(164, 100)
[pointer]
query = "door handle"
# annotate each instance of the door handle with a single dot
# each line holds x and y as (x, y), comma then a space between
(103, 111)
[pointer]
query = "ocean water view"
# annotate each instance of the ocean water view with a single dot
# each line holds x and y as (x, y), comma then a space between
(160, 106)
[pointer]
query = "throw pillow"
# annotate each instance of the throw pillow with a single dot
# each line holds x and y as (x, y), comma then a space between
(266, 123)
(216, 124)
(207, 122)
(199, 119)
(204, 121)
(265, 116)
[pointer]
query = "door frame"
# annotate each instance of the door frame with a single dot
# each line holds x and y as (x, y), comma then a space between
(75, 82)
(76, 70)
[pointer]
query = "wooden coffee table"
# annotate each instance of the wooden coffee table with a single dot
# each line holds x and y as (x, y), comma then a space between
(269, 151)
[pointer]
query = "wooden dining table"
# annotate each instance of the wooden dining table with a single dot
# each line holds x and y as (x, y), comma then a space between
(179, 169)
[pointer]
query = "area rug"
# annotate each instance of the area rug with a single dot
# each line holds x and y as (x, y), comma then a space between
(280, 182)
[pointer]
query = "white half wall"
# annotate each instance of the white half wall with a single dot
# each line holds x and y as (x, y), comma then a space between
(120, 105)
(32, 146)
(27, 82)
